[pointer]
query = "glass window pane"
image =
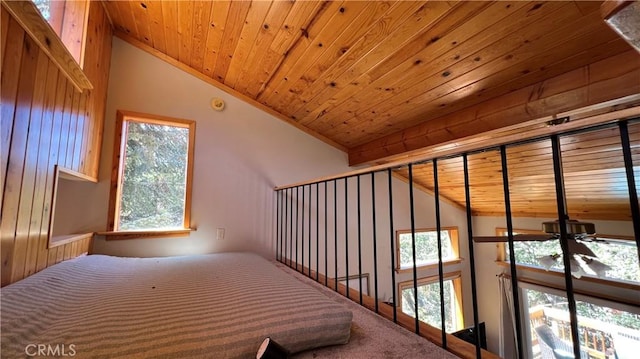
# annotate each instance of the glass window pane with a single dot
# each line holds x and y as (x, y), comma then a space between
(603, 331)
(620, 256)
(426, 248)
(429, 304)
(67, 19)
(44, 7)
(154, 177)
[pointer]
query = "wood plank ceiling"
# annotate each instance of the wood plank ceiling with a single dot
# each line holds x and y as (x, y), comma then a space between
(594, 176)
(354, 72)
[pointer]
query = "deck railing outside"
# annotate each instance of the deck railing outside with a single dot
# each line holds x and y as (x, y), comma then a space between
(596, 336)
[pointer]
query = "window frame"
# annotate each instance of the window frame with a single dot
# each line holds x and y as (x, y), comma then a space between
(69, 20)
(541, 286)
(455, 245)
(117, 170)
(502, 260)
(502, 246)
(30, 18)
(455, 277)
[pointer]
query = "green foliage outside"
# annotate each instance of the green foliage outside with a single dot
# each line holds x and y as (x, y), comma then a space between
(44, 7)
(429, 304)
(622, 258)
(426, 248)
(584, 309)
(154, 184)
(428, 294)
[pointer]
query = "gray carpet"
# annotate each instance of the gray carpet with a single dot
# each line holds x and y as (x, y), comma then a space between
(371, 335)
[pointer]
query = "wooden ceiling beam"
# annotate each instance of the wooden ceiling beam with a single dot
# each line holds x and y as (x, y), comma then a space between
(600, 87)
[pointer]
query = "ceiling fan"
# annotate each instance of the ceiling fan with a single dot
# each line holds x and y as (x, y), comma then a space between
(577, 232)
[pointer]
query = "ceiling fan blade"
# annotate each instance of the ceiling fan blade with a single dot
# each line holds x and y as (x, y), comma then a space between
(485, 239)
(517, 238)
(533, 237)
(576, 247)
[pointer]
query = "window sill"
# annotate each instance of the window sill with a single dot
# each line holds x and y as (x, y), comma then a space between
(28, 16)
(430, 266)
(145, 234)
(64, 239)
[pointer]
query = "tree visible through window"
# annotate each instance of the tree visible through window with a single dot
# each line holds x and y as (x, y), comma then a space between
(154, 173)
(620, 255)
(426, 247)
(429, 304)
(45, 8)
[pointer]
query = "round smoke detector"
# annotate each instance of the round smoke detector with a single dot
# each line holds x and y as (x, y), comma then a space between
(217, 104)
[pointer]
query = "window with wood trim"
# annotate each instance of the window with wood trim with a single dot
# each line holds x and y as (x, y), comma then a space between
(152, 173)
(608, 318)
(607, 329)
(429, 301)
(68, 18)
(618, 252)
(426, 247)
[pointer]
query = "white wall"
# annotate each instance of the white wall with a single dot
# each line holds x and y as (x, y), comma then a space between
(241, 153)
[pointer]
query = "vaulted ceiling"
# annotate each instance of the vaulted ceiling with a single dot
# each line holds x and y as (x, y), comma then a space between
(380, 78)
(356, 72)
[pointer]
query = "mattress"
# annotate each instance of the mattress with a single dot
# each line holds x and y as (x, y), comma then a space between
(213, 306)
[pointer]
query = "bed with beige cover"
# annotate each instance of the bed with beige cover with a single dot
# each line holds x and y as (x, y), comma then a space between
(213, 306)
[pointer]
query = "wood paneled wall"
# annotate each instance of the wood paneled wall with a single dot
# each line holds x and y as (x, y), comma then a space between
(45, 122)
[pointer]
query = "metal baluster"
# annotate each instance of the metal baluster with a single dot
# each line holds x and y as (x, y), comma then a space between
(413, 250)
(297, 222)
(326, 239)
(291, 226)
(310, 230)
(302, 235)
(335, 233)
(563, 215)
(346, 233)
(392, 239)
(436, 195)
(472, 265)
(631, 182)
(375, 251)
(514, 274)
(359, 243)
(278, 225)
(317, 231)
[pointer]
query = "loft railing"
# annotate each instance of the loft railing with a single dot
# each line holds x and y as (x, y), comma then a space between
(303, 209)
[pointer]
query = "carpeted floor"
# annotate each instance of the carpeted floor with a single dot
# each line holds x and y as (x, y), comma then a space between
(371, 335)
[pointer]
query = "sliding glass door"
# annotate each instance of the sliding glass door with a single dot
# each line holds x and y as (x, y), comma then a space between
(606, 329)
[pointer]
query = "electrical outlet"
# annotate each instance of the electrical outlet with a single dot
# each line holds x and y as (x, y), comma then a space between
(220, 234)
